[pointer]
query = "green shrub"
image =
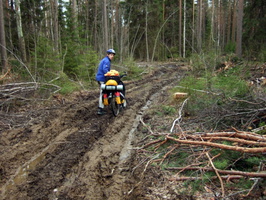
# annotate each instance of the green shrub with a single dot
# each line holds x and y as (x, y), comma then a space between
(46, 62)
(221, 164)
(263, 131)
(168, 110)
(133, 70)
(262, 55)
(211, 92)
(67, 85)
(80, 62)
(230, 47)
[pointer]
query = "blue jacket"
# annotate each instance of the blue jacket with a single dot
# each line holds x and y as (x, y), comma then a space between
(103, 68)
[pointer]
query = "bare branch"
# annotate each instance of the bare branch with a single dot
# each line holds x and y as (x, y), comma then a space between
(230, 172)
(184, 178)
(180, 115)
(221, 146)
(217, 173)
(242, 135)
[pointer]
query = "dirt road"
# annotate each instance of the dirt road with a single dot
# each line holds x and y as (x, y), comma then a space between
(69, 152)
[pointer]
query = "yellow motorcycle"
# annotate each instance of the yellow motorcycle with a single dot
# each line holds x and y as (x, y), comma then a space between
(114, 92)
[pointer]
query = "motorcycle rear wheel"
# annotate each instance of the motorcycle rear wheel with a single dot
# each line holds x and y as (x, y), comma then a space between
(114, 106)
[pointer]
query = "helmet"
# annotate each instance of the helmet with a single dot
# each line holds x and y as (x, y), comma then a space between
(109, 51)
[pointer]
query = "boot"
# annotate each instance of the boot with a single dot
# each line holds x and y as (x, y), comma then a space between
(101, 111)
(124, 103)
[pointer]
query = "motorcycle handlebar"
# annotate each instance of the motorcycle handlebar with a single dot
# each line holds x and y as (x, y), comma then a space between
(123, 75)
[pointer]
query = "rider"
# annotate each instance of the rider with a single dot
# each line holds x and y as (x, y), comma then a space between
(103, 68)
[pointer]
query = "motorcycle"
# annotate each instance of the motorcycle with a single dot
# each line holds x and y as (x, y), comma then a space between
(114, 92)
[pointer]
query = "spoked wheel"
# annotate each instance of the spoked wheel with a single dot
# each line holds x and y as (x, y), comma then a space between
(115, 107)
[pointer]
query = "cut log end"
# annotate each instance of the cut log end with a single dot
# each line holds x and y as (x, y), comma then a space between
(180, 95)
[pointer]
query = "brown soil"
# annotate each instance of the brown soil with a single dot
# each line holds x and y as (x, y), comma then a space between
(66, 151)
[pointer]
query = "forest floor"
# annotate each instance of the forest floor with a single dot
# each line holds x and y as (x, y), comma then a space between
(66, 151)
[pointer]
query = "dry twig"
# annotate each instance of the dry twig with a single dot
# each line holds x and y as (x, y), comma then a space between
(217, 173)
(179, 117)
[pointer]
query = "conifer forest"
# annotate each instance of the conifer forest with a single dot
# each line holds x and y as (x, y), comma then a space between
(52, 36)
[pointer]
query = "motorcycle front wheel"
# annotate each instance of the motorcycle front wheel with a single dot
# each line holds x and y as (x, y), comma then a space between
(114, 106)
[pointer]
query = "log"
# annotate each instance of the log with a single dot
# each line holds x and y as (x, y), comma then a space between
(180, 95)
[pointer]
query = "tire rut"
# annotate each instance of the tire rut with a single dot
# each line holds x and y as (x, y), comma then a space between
(80, 152)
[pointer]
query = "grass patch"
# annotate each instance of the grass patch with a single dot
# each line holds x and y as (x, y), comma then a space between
(215, 95)
(133, 70)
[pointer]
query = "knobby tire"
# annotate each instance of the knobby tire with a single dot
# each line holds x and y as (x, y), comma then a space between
(114, 107)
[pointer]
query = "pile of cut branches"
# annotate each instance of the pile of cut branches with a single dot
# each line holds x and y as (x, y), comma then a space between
(23, 91)
(200, 148)
(246, 142)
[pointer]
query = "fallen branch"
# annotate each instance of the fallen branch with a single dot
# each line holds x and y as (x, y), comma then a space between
(163, 142)
(242, 135)
(230, 172)
(217, 173)
(20, 91)
(241, 141)
(202, 91)
(146, 126)
(180, 115)
(182, 168)
(3, 76)
(168, 153)
(20, 62)
(241, 100)
(151, 143)
(185, 178)
(221, 146)
(256, 183)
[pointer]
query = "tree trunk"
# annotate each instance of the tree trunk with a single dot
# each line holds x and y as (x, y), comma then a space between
(219, 24)
(117, 25)
(146, 32)
(95, 26)
(74, 18)
(54, 5)
(2, 39)
(180, 28)
(199, 26)
(204, 8)
(223, 24)
(229, 20)
(8, 17)
(88, 37)
(212, 34)
(193, 26)
(112, 24)
(105, 25)
(163, 31)
(184, 31)
(233, 35)
(20, 32)
(47, 14)
(239, 28)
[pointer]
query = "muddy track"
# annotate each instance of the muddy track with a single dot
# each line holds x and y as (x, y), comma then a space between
(69, 152)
